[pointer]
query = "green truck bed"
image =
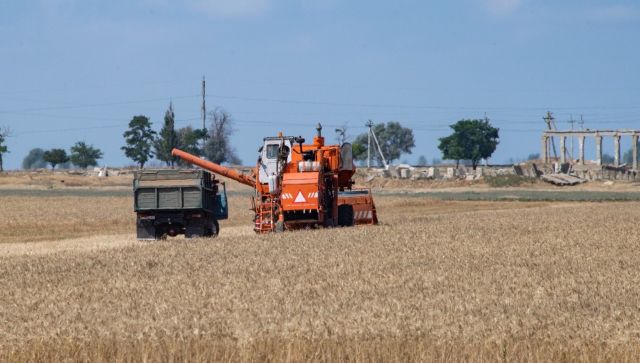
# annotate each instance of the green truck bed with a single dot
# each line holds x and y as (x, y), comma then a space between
(178, 190)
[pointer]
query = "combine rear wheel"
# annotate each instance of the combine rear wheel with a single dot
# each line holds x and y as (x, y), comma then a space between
(345, 216)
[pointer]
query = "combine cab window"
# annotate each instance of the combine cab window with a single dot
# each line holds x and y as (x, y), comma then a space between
(272, 151)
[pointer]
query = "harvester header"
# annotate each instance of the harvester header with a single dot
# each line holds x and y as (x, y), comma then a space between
(300, 185)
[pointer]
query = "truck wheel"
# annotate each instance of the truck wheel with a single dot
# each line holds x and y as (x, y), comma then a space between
(146, 232)
(195, 230)
(213, 230)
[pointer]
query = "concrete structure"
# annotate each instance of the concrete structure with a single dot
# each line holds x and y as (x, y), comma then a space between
(597, 135)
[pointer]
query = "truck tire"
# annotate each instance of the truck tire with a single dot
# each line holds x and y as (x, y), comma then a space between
(213, 230)
(192, 230)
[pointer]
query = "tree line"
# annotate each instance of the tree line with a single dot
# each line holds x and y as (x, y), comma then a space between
(142, 143)
(82, 156)
(471, 140)
(394, 140)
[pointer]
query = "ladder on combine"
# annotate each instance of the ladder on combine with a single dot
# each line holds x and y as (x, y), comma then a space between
(266, 216)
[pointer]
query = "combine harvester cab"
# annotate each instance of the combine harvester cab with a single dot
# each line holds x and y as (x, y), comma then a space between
(300, 185)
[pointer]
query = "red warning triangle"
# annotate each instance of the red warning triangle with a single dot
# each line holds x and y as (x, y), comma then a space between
(300, 198)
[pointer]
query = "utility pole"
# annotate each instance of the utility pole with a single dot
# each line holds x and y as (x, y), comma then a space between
(572, 122)
(375, 139)
(581, 123)
(551, 126)
(204, 114)
(369, 125)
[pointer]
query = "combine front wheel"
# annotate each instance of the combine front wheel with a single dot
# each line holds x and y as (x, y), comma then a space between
(279, 227)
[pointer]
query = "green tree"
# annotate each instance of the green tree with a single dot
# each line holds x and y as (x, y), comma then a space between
(189, 140)
(218, 147)
(139, 140)
(55, 157)
(34, 159)
(471, 140)
(451, 149)
(167, 139)
(84, 155)
(394, 139)
(4, 134)
(422, 160)
(359, 151)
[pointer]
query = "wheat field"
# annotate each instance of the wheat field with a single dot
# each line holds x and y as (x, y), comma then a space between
(436, 281)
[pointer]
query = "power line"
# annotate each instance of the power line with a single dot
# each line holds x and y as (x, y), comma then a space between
(494, 120)
(270, 124)
(376, 105)
(30, 132)
(71, 107)
(75, 88)
(84, 128)
(416, 125)
(323, 103)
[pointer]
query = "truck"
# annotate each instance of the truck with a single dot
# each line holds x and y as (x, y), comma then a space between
(180, 201)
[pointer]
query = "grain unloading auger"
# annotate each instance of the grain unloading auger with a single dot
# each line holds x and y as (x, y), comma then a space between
(300, 185)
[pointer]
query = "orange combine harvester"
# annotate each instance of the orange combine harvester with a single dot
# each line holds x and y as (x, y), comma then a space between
(300, 185)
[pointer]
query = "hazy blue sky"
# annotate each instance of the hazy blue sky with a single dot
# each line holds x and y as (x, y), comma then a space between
(74, 70)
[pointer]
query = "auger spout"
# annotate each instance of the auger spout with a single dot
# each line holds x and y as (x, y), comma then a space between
(214, 168)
